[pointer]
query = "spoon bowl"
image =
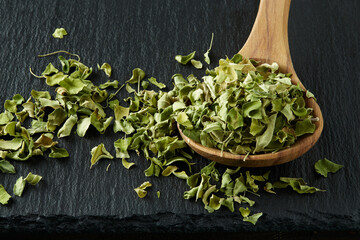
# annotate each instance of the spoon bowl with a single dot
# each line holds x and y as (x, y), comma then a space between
(268, 42)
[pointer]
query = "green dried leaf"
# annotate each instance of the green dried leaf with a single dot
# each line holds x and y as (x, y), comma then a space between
(266, 175)
(324, 166)
(58, 152)
(33, 179)
(181, 175)
(12, 145)
(185, 59)
(106, 68)
(19, 186)
(196, 64)
(250, 182)
(59, 33)
(253, 109)
(242, 199)
(245, 212)
(253, 218)
(73, 85)
(159, 85)
(264, 140)
(192, 180)
(145, 84)
(98, 153)
(82, 126)
(179, 159)
(18, 99)
(5, 117)
(56, 118)
(127, 164)
(141, 192)
(4, 196)
(120, 112)
(137, 76)
(191, 193)
(114, 84)
(100, 124)
(6, 167)
(207, 193)
(268, 188)
(299, 185)
(44, 141)
(214, 202)
(239, 186)
(65, 130)
(304, 127)
(55, 79)
(183, 120)
(40, 94)
(310, 95)
(234, 119)
(50, 69)
(121, 147)
(11, 106)
(169, 170)
(65, 64)
(237, 58)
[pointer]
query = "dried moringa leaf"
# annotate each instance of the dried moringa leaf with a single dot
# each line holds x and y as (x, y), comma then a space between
(197, 64)
(98, 153)
(50, 69)
(58, 152)
(156, 83)
(141, 192)
(59, 33)
(299, 185)
(4, 196)
(33, 179)
(185, 59)
(19, 186)
(114, 84)
(127, 164)
(6, 167)
(106, 68)
(324, 166)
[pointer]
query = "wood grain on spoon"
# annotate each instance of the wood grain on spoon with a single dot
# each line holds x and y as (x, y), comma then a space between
(268, 42)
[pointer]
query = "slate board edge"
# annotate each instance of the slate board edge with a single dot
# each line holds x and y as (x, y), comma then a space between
(167, 222)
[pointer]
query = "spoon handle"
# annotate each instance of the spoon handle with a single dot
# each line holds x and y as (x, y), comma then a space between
(268, 40)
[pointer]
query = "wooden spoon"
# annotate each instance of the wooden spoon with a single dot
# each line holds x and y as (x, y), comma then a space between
(268, 42)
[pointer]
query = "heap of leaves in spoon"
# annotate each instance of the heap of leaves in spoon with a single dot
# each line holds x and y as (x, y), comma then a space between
(241, 106)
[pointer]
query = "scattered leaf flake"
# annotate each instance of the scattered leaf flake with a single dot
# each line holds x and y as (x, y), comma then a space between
(33, 179)
(156, 83)
(4, 196)
(197, 64)
(106, 68)
(98, 153)
(127, 164)
(185, 59)
(59, 33)
(19, 186)
(324, 166)
(6, 166)
(141, 192)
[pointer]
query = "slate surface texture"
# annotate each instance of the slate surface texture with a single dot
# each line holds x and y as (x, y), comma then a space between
(324, 43)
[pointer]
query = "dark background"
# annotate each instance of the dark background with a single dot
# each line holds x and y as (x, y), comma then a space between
(324, 44)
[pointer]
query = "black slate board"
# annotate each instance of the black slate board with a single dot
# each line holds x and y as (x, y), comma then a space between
(324, 43)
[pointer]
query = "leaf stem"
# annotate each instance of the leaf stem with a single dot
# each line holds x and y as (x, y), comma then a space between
(37, 76)
(60, 51)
